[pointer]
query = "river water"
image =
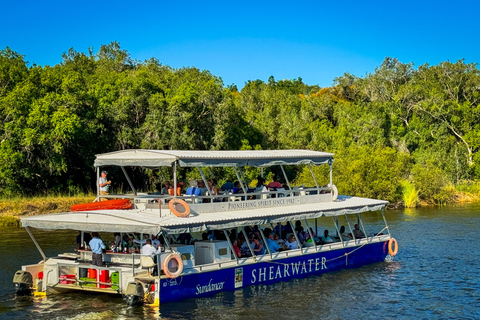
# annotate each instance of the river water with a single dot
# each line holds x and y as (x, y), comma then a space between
(436, 275)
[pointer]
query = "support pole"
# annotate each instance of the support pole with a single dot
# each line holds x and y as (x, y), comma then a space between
(243, 177)
(129, 181)
(265, 242)
(313, 175)
(286, 179)
(175, 179)
(239, 179)
(296, 237)
(36, 244)
(230, 244)
(311, 235)
(248, 243)
(350, 227)
(330, 164)
(98, 186)
(361, 224)
(335, 222)
(385, 220)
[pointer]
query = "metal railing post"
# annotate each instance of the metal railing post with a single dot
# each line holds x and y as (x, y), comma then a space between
(296, 237)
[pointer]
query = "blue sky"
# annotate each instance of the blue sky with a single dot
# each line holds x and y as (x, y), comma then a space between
(248, 40)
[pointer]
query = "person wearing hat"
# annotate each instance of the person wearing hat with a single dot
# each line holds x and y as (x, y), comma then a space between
(104, 184)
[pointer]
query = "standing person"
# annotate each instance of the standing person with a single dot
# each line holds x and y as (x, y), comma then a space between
(104, 184)
(96, 244)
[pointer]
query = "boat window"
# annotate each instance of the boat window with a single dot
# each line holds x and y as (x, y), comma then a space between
(186, 256)
(222, 251)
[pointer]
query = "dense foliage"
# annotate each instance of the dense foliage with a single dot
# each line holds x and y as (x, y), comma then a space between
(399, 123)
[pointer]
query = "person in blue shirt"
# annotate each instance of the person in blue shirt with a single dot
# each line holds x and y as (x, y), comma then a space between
(272, 245)
(228, 186)
(258, 248)
(96, 244)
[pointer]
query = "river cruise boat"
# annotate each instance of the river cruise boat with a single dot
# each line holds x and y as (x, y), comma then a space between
(199, 253)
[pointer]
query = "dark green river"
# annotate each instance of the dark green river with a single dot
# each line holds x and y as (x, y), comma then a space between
(436, 275)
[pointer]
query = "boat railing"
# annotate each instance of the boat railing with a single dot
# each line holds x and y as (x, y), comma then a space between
(226, 196)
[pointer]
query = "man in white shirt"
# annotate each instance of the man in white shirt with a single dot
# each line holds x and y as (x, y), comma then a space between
(104, 184)
(155, 242)
(148, 249)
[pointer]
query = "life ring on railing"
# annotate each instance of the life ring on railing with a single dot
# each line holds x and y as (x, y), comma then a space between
(178, 259)
(179, 208)
(334, 192)
(392, 251)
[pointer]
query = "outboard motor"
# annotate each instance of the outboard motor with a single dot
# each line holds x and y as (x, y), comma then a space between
(135, 294)
(23, 281)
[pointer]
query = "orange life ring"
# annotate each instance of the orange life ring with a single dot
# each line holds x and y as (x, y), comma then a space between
(178, 259)
(392, 251)
(182, 214)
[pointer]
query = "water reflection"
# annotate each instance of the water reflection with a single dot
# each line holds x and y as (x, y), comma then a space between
(435, 275)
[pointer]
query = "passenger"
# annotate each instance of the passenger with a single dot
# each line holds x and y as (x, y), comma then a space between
(260, 183)
(211, 236)
(149, 250)
(272, 245)
(155, 242)
(244, 249)
(326, 238)
(344, 235)
(97, 246)
(236, 248)
(204, 236)
(118, 239)
(228, 186)
(237, 188)
(201, 186)
(300, 232)
(86, 239)
(258, 248)
(291, 243)
(280, 242)
(166, 187)
(358, 233)
(274, 185)
(104, 184)
(191, 189)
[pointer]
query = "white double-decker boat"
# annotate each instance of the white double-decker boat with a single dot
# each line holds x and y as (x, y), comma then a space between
(199, 268)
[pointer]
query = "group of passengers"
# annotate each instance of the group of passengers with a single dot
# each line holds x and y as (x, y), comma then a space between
(198, 187)
(244, 247)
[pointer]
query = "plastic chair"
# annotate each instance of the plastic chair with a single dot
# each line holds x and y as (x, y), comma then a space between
(147, 262)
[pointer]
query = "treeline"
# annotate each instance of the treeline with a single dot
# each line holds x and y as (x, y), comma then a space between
(398, 126)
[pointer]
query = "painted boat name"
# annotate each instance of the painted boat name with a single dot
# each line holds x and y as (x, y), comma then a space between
(282, 271)
(260, 204)
(210, 287)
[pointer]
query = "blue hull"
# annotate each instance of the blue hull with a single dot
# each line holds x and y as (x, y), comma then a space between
(229, 279)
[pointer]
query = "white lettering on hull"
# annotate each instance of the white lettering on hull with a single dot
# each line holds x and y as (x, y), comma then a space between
(294, 268)
(209, 287)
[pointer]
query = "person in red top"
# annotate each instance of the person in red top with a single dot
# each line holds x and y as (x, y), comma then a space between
(274, 184)
(236, 249)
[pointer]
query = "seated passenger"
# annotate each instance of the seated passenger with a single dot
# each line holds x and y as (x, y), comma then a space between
(202, 188)
(274, 185)
(211, 236)
(278, 241)
(191, 190)
(326, 238)
(258, 247)
(228, 186)
(149, 250)
(272, 245)
(291, 243)
(344, 235)
(237, 188)
(358, 233)
(236, 248)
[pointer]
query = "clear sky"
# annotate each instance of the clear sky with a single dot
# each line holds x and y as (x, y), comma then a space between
(248, 40)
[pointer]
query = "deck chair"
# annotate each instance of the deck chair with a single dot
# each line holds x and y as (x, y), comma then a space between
(147, 262)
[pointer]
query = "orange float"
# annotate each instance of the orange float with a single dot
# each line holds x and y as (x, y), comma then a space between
(176, 257)
(179, 208)
(391, 251)
(103, 205)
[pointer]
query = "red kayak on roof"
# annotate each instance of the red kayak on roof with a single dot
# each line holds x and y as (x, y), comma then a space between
(103, 205)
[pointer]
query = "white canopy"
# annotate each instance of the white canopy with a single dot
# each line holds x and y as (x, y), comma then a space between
(255, 158)
(150, 221)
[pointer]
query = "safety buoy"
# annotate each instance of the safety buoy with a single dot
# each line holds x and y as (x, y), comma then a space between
(392, 251)
(179, 208)
(334, 192)
(178, 259)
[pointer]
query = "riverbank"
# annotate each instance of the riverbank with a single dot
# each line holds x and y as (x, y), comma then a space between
(11, 209)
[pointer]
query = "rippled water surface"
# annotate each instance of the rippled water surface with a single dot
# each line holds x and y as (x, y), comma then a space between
(436, 275)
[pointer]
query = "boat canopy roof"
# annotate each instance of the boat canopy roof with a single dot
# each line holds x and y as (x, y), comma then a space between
(185, 158)
(151, 223)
